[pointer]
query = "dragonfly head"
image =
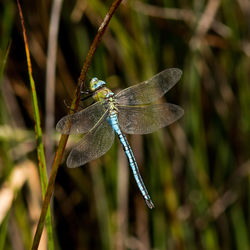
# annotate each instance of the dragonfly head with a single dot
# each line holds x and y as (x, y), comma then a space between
(96, 84)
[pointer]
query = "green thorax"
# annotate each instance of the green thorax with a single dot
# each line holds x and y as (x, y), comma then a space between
(102, 94)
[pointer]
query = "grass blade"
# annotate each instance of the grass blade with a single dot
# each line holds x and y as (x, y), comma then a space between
(38, 130)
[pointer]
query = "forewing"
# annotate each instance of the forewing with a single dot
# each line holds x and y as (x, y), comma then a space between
(150, 90)
(82, 121)
(93, 145)
(147, 119)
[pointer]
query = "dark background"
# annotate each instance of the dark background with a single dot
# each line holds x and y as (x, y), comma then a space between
(196, 170)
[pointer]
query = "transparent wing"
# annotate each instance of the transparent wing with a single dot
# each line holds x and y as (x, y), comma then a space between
(147, 119)
(81, 122)
(150, 90)
(93, 145)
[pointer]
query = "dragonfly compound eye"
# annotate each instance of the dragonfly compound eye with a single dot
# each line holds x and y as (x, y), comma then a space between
(96, 84)
(93, 83)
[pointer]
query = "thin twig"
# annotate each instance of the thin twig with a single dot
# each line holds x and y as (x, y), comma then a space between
(205, 23)
(225, 200)
(165, 13)
(186, 15)
(74, 106)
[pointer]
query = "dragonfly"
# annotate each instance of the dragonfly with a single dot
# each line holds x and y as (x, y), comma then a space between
(130, 111)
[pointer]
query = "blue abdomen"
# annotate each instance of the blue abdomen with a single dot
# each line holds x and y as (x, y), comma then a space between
(113, 121)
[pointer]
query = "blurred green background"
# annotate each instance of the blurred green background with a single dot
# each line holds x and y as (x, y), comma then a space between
(196, 170)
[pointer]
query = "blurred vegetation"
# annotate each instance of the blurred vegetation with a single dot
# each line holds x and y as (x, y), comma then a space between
(196, 170)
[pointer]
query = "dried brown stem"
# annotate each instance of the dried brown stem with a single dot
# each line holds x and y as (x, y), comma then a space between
(74, 106)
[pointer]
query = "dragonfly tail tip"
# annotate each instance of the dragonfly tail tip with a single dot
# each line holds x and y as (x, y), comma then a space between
(150, 203)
